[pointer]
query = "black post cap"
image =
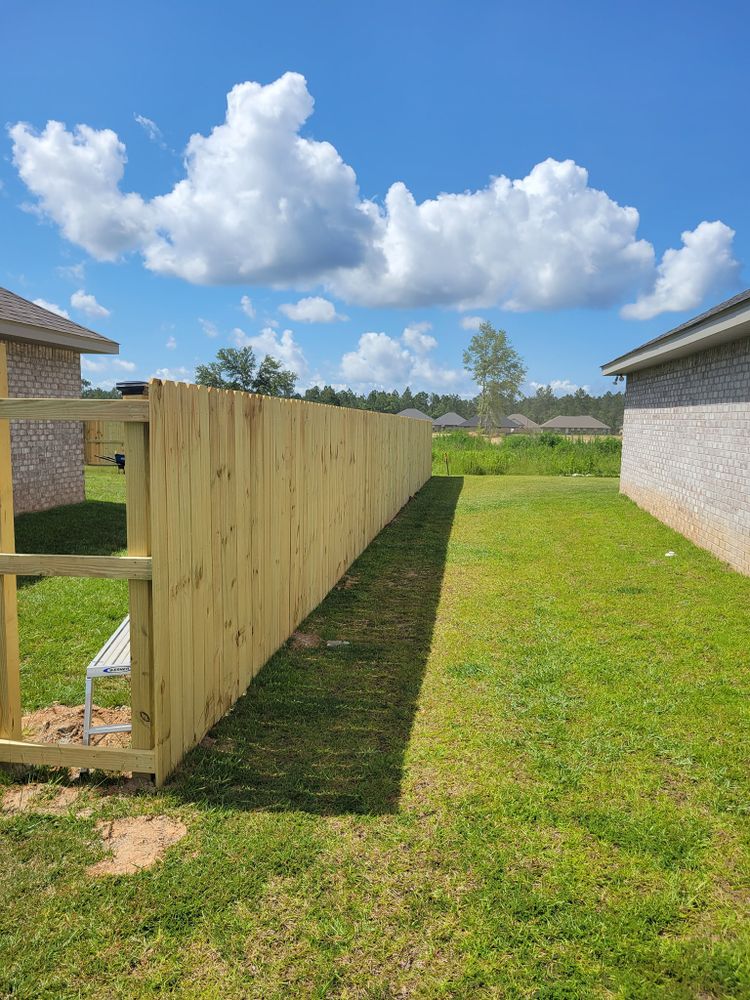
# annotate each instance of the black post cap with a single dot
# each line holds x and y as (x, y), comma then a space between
(133, 388)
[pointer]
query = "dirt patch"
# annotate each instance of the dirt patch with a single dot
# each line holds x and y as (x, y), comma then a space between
(136, 842)
(305, 640)
(51, 800)
(347, 581)
(64, 724)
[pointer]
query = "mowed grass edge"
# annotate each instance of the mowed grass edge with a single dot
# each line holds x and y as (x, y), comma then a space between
(525, 776)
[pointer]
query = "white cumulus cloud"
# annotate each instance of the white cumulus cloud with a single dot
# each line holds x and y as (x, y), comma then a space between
(471, 322)
(382, 360)
(261, 204)
(87, 303)
(314, 309)
(284, 348)
(127, 366)
(685, 277)
(171, 344)
(560, 386)
(180, 374)
(246, 304)
(52, 307)
(210, 329)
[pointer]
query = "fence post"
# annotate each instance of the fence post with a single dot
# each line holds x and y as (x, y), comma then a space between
(138, 512)
(10, 671)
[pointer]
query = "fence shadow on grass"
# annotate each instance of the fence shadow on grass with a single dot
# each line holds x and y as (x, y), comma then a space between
(91, 528)
(324, 730)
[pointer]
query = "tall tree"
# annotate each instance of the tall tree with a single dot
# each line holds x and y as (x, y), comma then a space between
(88, 391)
(237, 368)
(498, 370)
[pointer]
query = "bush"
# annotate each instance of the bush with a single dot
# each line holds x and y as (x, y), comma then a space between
(542, 454)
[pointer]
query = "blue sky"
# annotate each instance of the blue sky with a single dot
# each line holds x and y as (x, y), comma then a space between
(379, 203)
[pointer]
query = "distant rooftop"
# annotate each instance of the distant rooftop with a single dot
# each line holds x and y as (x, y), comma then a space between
(522, 421)
(575, 423)
(729, 320)
(502, 423)
(24, 320)
(449, 420)
(415, 414)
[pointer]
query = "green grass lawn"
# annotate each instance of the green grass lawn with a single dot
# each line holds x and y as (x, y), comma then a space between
(542, 454)
(63, 621)
(527, 776)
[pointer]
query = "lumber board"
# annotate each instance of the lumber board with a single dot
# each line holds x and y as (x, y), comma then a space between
(138, 518)
(104, 567)
(75, 409)
(70, 755)
(10, 666)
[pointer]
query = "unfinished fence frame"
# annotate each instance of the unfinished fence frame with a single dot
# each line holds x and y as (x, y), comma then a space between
(242, 512)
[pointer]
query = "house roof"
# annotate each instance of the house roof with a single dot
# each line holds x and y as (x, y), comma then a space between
(24, 320)
(503, 423)
(575, 423)
(411, 411)
(729, 320)
(449, 420)
(522, 421)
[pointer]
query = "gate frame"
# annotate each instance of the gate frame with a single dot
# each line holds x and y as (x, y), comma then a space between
(136, 568)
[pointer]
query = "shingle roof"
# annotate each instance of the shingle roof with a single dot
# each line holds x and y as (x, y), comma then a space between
(449, 420)
(411, 411)
(523, 421)
(502, 423)
(742, 298)
(575, 423)
(24, 320)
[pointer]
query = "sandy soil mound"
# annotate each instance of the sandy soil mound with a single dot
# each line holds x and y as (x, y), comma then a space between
(305, 640)
(64, 724)
(136, 842)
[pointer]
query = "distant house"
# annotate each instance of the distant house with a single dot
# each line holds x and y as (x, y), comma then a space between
(503, 425)
(575, 425)
(524, 423)
(415, 414)
(40, 355)
(685, 450)
(448, 422)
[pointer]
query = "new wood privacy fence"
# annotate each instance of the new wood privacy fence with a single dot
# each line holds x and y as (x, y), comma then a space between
(243, 512)
(102, 437)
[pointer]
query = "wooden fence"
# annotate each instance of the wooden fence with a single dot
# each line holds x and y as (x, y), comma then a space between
(102, 437)
(243, 512)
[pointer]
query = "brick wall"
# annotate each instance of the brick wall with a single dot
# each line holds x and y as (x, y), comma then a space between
(686, 448)
(47, 455)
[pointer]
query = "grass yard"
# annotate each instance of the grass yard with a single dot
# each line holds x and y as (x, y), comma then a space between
(542, 454)
(63, 621)
(527, 776)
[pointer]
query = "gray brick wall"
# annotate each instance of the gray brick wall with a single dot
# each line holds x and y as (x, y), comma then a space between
(686, 448)
(47, 455)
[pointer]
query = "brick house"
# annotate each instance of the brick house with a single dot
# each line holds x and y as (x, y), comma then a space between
(686, 435)
(575, 425)
(40, 355)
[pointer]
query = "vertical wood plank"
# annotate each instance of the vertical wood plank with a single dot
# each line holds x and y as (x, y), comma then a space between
(162, 721)
(10, 672)
(138, 516)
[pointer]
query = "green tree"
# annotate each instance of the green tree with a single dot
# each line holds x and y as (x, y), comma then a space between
(237, 368)
(88, 391)
(273, 380)
(498, 370)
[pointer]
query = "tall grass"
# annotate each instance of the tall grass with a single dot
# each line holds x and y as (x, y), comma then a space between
(525, 455)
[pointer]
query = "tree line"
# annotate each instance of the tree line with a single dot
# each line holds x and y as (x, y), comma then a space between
(490, 359)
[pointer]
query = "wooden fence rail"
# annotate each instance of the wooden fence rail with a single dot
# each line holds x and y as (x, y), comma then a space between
(243, 512)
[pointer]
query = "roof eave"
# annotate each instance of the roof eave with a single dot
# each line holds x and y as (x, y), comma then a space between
(721, 328)
(77, 342)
